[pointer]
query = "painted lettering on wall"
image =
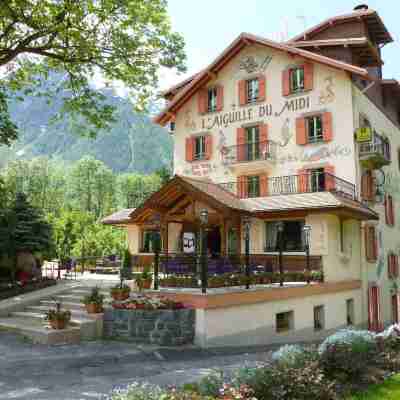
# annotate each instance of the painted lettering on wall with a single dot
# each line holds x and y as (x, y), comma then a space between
(301, 103)
(315, 155)
(200, 169)
(223, 120)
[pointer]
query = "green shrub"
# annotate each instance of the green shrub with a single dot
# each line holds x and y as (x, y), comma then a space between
(211, 384)
(348, 362)
(294, 355)
(282, 382)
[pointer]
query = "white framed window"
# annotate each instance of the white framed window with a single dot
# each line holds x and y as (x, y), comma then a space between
(253, 143)
(314, 129)
(253, 90)
(199, 147)
(212, 99)
(297, 79)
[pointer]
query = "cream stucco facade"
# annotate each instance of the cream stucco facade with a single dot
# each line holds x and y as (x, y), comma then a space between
(338, 232)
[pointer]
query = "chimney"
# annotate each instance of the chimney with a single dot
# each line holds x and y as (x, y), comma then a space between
(361, 7)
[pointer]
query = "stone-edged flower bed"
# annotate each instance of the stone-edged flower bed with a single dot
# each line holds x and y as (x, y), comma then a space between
(150, 320)
(8, 290)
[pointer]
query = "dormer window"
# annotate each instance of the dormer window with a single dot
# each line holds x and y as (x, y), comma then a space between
(297, 79)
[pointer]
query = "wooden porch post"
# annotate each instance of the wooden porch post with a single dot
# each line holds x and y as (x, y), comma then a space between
(223, 234)
(239, 235)
(164, 234)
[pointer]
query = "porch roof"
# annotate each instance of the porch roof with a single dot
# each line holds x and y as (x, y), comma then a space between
(181, 190)
(314, 202)
(120, 217)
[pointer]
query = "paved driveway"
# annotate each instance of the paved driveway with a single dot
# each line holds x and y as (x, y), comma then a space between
(92, 369)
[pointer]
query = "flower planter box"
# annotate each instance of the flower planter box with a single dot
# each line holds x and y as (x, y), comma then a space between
(161, 327)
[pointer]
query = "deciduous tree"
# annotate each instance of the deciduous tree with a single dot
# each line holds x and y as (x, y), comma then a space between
(123, 40)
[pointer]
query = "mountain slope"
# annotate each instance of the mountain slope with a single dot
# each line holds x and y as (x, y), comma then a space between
(133, 144)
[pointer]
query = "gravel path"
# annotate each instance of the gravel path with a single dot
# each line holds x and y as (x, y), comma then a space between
(92, 369)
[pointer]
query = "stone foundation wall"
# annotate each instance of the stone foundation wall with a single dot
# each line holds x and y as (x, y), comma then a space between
(161, 327)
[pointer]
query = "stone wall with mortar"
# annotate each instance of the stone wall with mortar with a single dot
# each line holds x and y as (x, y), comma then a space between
(161, 327)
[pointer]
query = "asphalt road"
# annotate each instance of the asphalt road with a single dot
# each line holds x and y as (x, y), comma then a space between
(92, 369)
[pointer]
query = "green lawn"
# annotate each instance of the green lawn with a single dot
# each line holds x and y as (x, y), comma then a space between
(390, 390)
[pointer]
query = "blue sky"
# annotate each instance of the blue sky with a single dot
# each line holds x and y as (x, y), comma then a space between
(208, 26)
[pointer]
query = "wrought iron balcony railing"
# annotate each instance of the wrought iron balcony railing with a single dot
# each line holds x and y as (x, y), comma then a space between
(293, 184)
(379, 152)
(249, 152)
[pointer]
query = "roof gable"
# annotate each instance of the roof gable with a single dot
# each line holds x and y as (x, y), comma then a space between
(246, 39)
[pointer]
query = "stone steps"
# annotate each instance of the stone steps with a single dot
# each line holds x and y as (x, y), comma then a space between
(66, 305)
(29, 322)
(39, 333)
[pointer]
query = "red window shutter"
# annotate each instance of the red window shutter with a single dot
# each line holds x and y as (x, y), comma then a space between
(208, 140)
(220, 98)
(371, 244)
(374, 310)
(261, 88)
(330, 183)
(242, 187)
(389, 210)
(263, 185)
(396, 265)
(202, 99)
(302, 180)
(264, 140)
(189, 149)
(395, 308)
(327, 126)
(308, 76)
(301, 131)
(367, 186)
(286, 82)
(390, 265)
(242, 92)
(240, 144)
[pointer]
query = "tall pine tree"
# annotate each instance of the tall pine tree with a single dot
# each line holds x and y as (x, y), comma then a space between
(26, 230)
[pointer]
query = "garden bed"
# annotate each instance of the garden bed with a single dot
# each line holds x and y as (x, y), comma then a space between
(8, 290)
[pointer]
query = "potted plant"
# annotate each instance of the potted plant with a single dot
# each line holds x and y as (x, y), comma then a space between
(94, 301)
(144, 279)
(121, 291)
(58, 319)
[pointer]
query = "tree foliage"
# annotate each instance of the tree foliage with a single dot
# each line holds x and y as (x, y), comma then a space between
(124, 40)
(73, 199)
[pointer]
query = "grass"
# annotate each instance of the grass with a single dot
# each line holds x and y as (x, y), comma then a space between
(389, 390)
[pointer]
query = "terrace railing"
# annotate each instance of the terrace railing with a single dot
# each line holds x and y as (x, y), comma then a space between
(294, 184)
(249, 152)
(181, 270)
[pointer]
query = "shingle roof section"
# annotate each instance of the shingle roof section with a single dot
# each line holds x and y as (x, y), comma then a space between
(119, 217)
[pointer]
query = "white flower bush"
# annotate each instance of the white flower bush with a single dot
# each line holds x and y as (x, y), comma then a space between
(137, 391)
(288, 354)
(347, 336)
(391, 331)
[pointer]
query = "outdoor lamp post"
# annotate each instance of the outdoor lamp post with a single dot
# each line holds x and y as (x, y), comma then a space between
(280, 227)
(247, 226)
(203, 249)
(307, 234)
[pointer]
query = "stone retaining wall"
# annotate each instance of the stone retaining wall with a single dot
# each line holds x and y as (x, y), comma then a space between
(161, 327)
